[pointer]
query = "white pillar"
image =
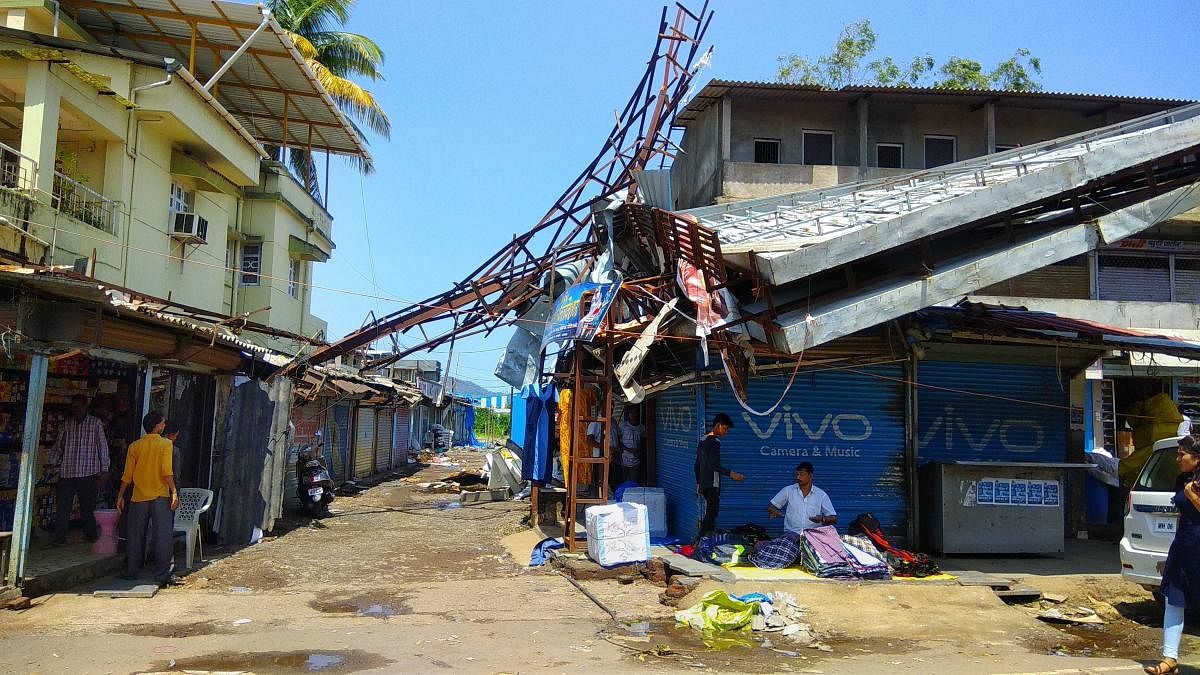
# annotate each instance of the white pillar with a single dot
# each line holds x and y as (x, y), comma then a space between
(24, 513)
(39, 124)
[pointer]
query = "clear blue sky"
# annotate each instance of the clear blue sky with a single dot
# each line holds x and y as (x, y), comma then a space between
(497, 106)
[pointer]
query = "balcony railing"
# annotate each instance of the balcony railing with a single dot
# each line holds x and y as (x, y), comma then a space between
(17, 171)
(84, 204)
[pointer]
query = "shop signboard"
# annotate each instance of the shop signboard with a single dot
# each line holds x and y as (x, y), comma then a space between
(565, 322)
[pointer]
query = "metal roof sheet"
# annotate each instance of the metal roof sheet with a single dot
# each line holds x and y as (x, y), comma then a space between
(270, 88)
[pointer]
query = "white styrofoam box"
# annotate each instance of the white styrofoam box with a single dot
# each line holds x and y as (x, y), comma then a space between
(655, 501)
(617, 533)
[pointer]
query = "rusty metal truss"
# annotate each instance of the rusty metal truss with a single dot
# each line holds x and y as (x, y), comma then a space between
(490, 296)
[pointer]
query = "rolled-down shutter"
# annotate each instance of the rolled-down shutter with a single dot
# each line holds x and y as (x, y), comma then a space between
(849, 425)
(1131, 277)
(400, 437)
(383, 439)
(364, 442)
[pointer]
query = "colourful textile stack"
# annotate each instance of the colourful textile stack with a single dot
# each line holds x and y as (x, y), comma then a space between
(775, 554)
(865, 565)
(823, 554)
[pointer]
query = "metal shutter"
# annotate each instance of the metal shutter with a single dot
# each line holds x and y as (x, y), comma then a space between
(364, 442)
(678, 415)
(849, 425)
(1187, 280)
(1133, 277)
(952, 425)
(400, 437)
(383, 439)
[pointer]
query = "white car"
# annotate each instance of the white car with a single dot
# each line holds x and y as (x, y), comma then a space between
(1150, 517)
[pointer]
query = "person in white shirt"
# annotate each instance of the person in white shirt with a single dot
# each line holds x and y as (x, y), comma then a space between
(633, 439)
(802, 504)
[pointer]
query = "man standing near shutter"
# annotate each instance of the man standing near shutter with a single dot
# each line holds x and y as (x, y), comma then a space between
(148, 469)
(81, 455)
(709, 471)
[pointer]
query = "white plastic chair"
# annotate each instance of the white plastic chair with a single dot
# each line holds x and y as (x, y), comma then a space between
(192, 503)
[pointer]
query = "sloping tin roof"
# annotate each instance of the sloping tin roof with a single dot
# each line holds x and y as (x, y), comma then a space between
(271, 82)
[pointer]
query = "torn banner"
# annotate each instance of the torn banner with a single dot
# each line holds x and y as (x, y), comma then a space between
(566, 323)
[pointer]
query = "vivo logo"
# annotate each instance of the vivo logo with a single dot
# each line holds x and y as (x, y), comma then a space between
(679, 418)
(1014, 435)
(845, 426)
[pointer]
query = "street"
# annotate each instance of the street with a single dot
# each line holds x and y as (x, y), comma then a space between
(396, 582)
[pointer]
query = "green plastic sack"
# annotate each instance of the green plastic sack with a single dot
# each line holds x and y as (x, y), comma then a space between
(718, 611)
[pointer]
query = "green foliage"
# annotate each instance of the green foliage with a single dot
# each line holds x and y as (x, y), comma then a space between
(491, 425)
(843, 66)
(334, 56)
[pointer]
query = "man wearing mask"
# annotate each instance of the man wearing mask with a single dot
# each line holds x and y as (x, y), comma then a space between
(802, 504)
(81, 455)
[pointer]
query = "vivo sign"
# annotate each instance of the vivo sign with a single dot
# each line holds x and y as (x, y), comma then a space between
(1013, 435)
(848, 427)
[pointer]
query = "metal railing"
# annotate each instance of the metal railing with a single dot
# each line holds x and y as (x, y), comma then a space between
(17, 171)
(84, 204)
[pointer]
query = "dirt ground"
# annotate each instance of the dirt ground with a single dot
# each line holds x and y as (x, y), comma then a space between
(398, 582)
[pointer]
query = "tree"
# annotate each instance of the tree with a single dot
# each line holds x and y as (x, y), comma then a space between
(843, 66)
(334, 56)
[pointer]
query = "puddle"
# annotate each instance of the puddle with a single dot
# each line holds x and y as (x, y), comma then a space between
(346, 661)
(375, 607)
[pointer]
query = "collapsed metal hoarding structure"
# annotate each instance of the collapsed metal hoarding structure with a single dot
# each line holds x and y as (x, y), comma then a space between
(511, 279)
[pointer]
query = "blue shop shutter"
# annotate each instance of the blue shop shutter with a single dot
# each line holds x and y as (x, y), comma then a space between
(850, 426)
(956, 425)
(677, 430)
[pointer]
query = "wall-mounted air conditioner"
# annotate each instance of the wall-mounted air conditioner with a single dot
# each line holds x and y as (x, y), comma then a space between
(189, 228)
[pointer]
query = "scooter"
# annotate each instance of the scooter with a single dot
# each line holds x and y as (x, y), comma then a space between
(314, 487)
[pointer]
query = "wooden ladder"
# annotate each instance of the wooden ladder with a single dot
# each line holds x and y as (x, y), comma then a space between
(581, 452)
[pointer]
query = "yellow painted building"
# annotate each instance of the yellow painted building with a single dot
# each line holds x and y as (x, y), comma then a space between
(135, 145)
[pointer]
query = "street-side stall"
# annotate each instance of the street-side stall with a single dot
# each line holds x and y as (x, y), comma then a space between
(70, 337)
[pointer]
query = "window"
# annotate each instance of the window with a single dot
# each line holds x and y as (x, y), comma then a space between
(1160, 472)
(251, 264)
(182, 200)
(940, 150)
(1006, 148)
(294, 277)
(889, 155)
(818, 148)
(766, 151)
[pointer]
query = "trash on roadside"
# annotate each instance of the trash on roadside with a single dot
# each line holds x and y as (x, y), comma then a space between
(239, 590)
(716, 611)
(1056, 598)
(241, 622)
(1078, 615)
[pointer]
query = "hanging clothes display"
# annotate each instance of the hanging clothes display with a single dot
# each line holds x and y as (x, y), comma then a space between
(575, 440)
(536, 464)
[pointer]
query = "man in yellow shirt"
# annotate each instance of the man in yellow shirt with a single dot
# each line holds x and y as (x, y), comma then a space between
(155, 498)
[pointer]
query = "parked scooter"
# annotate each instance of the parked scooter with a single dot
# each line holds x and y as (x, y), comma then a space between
(314, 487)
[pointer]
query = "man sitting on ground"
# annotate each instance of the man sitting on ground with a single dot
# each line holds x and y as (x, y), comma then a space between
(802, 504)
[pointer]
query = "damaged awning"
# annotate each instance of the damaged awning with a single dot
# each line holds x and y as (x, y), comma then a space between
(271, 89)
(993, 323)
(342, 384)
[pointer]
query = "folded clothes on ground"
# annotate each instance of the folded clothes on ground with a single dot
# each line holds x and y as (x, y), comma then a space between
(823, 554)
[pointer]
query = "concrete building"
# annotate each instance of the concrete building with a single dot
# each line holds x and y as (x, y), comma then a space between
(134, 153)
(753, 141)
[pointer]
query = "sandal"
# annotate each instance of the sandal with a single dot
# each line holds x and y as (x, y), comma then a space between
(1164, 667)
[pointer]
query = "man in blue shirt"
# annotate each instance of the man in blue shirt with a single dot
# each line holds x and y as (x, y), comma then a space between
(802, 504)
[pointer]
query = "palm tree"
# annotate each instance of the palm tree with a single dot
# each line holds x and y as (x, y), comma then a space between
(334, 56)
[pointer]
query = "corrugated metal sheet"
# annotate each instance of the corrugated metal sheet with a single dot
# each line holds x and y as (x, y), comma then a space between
(384, 421)
(337, 440)
(400, 436)
(678, 418)
(364, 442)
(952, 425)
(849, 425)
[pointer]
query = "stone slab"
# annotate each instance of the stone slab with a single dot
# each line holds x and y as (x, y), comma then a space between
(689, 567)
(127, 590)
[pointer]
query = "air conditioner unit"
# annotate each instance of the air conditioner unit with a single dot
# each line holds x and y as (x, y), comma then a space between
(189, 227)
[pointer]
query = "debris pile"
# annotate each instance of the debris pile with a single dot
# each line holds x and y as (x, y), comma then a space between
(776, 612)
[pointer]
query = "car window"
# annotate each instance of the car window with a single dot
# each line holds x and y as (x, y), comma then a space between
(1160, 472)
